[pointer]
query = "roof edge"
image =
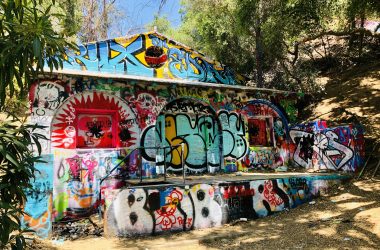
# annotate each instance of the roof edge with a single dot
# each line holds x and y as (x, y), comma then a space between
(163, 80)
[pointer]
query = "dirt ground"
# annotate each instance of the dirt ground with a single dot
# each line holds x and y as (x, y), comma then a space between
(349, 218)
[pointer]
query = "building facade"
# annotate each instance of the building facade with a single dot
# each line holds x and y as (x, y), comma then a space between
(170, 108)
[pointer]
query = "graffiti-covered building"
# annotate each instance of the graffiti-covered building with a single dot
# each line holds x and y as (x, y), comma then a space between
(168, 108)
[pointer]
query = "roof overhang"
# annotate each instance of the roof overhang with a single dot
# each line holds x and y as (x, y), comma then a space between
(165, 81)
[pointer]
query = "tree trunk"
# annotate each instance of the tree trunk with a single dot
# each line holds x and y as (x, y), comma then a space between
(362, 20)
(259, 49)
(104, 24)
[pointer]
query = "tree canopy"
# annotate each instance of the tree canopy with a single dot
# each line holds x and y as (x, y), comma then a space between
(28, 43)
(272, 41)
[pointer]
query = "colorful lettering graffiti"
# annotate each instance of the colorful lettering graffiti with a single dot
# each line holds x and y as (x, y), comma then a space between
(128, 55)
(324, 149)
(197, 127)
(198, 134)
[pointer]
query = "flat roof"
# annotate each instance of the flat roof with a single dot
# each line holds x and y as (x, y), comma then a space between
(166, 81)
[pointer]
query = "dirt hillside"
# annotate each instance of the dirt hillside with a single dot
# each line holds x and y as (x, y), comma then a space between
(351, 96)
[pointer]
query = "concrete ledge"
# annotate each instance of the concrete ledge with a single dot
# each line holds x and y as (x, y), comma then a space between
(152, 209)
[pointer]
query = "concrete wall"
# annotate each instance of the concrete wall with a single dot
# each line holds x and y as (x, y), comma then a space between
(212, 124)
(93, 122)
(151, 210)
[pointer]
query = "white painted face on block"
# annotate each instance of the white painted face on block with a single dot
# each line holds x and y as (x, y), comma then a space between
(129, 214)
(208, 213)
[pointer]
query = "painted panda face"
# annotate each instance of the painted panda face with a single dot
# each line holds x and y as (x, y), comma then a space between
(130, 214)
(208, 212)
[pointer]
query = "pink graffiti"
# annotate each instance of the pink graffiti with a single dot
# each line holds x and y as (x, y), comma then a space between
(74, 164)
(90, 164)
(270, 195)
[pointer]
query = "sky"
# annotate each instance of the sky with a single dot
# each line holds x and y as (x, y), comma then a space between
(135, 14)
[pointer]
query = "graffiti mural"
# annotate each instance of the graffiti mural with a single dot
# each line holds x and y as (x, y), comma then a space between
(332, 149)
(234, 141)
(46, 96)
(238, 198)
(147, 106)
(129, 55)
(76, 180)
(115, 98)
(141, 211)
(76, 123)
(148, 210)
(192, 125)
(38, 207)
(208, 211)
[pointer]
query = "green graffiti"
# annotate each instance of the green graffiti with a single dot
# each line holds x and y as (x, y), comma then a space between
(61, 202)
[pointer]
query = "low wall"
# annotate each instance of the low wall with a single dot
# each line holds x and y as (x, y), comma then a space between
(155, 209)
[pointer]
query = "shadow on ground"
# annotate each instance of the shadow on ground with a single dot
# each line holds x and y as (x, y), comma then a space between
(351, 96)
(348, 219)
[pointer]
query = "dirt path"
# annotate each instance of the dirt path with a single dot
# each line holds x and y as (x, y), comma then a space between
(347, 219)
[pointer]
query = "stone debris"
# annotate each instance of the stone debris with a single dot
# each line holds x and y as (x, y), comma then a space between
(74, 230)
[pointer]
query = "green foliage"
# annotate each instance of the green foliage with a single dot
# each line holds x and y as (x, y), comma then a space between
(28, 43)
(161, 23)
(275, 38)
(16, 171)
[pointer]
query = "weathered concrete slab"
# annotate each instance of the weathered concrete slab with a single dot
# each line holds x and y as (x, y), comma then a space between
(204, 203)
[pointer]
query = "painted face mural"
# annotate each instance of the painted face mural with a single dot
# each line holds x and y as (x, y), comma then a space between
(148, 210)
(94, 120)
(46, 97)
(208, 210)
(95, 131)
(137, 211)
(129, 214)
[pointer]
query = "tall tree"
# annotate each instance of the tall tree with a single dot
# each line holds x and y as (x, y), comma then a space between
(98, 16)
